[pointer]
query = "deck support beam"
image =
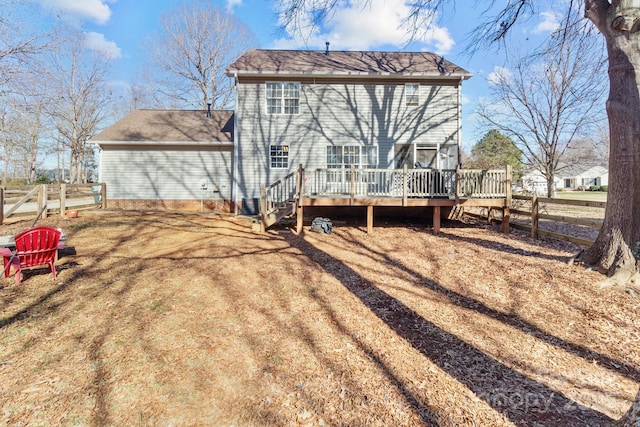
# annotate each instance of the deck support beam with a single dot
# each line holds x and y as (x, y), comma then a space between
(436, 219)
(369, 219)
(299, 218)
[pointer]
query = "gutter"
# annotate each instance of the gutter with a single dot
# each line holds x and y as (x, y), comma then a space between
(353, 74)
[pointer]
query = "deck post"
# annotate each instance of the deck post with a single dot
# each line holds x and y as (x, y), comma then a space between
(299, 209)
(506, 211)
(458, 184)
(405, 185)
(436, 219)
(369, 219)
(352, 185)
(299, 218)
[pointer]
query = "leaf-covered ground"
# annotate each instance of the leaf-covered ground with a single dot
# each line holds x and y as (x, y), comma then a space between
(192, 319)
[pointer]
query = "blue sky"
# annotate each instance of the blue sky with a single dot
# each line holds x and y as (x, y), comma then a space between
(118, 27)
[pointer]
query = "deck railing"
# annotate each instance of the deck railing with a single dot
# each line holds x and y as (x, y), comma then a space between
(381, 183)
(483, 184)
(280, 193)
(425, 183)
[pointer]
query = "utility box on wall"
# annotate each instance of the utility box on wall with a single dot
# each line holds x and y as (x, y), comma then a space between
(251, 206)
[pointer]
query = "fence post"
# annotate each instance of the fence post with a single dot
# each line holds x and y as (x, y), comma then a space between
(1, 205)
(42, 194)
(534, 217)
(103, 195)
(45, 199)
(63, 199)
(506, 211)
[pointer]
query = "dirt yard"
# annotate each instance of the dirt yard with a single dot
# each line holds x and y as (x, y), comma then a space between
(192, 319)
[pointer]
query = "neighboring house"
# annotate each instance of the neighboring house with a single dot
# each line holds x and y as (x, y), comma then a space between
(585, 177)
(319, 109)
(168, 159)
(567, 178)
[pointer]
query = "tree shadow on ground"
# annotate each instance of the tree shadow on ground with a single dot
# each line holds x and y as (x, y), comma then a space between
(523, 400)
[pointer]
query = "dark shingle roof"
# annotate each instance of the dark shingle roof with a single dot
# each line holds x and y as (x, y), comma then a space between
(343, 63)
(170, 126)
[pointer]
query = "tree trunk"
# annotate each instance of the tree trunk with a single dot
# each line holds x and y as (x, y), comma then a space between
(618, 245)
(550, 185)
(617, 248)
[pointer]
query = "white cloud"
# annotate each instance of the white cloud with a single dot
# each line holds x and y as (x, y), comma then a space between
(364, 25)
(97, 42)
(233, 3)
(95, 10)
(499, 75)
(549, 23)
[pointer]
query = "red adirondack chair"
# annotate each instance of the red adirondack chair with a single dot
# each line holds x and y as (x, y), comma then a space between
(34, 247)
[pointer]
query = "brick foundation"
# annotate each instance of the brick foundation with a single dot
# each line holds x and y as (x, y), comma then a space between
(172, 205)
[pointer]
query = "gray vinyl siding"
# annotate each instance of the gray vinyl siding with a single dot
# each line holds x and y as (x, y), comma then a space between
(166, 172)
(340, 113)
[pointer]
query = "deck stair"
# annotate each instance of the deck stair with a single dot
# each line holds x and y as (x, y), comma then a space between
(456, 213)
(279, 199)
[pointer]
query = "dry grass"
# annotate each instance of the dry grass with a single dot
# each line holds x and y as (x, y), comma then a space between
(188, 319)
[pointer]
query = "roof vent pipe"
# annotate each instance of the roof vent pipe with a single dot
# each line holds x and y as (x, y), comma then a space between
(326, 52)
(208, 109)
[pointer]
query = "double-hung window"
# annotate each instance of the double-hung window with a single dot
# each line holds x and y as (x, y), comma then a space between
(341, 158)
(412, 94)
(283, 98)
(279, 156)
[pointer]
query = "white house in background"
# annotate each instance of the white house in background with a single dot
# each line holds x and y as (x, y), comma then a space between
(567, 178)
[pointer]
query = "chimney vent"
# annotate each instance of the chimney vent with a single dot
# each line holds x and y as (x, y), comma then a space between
(208, 109)
(326, 52)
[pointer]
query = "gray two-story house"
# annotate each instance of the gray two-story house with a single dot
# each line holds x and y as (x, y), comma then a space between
(326, 110)
(336, 109)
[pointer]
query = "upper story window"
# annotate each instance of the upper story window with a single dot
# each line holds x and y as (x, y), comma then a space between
(412, 94)
(283, 98)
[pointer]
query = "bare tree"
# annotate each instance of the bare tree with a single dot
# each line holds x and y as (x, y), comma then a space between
(549, 100)
(79, 97)
(190, 55)
(617, 249)
(18, 44)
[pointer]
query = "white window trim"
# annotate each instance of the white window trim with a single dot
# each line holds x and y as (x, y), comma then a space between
(416, 94)
(363, 155)
(285, 149)
(282, 98)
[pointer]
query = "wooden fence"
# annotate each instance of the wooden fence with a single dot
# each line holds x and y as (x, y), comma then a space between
(583, 213)
(50, 199)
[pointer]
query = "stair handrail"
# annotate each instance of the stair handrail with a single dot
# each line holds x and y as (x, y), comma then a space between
(279, 194)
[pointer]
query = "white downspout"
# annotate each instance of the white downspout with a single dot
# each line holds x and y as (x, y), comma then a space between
(235, 146)
(459, 138)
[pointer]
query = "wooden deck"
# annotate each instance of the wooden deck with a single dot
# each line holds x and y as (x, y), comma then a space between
(372, 188)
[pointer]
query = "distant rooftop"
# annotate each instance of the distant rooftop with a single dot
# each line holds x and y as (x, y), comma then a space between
(345, 63)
